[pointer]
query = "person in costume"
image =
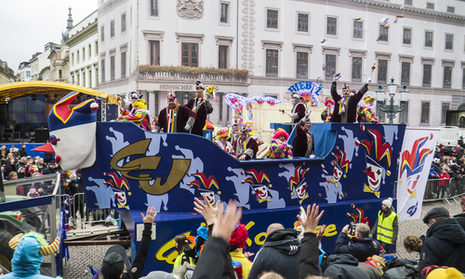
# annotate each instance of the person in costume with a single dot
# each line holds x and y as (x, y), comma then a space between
(298, 109)
(327, 113)
(279, 149)
(175, 117)
(246, 146)
(235, 133)
(201, 107)
(221, 140)
(366, 111)
(140, 116)
(303, 145)
(345, 108)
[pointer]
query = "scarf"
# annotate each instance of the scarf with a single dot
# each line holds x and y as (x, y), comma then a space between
(197, 103)
(171, 121)
(342, 104)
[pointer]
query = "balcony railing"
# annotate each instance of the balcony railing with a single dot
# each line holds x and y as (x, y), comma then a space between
(189, 73)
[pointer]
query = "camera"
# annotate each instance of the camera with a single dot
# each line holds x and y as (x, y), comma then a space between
(352, 227)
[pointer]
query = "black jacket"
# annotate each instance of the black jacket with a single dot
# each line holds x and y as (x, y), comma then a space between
(444, 245)
(280, 253)
(344, 266)
(360, 248)
(215, 261)
(309, 262)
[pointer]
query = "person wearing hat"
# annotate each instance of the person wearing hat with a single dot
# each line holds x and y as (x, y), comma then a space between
(444, 244)
(346, 105)
(386, 226)
(201, 107)
(279, 149)
(140, 115)
(328, 111)
(175, 117)
(221, 140)
(116, 264)
(298, 109)
(303, 145)
(245, 146)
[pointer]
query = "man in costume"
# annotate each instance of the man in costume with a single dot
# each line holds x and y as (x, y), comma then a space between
(345, 108)
(298, 109)
(140, 115)
(175, 117)
(221, 140)
(201, 107)
(245, 146)
(303, 141)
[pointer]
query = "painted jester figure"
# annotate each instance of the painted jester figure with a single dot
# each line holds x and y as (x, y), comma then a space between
(175, 117)
(201, 107)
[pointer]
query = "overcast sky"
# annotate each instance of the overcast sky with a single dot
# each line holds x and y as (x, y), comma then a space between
(27, 25)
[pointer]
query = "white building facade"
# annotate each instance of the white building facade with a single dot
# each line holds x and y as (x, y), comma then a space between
(421, 45)
(83, 52)
(24, 71)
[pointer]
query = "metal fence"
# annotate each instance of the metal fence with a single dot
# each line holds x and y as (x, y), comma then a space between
(437, 189)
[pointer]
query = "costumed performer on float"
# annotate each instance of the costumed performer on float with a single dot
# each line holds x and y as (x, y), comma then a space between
(303, 145)
(131, 99)
(201, 107)
(328, 111)
(221, 140)
(298, 109)
(366, 111)
(345, 108)
(279, 149)
(175, 117)
(245, 146)
(140, 115)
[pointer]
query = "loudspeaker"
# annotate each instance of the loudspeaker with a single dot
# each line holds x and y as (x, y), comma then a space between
(41, 135)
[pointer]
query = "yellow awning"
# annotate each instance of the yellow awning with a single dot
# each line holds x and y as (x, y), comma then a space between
(9, 91)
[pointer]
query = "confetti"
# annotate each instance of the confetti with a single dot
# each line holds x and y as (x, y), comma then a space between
(379, 38)
(337, 76)
(323, 41)
(358, 18)
(373, 67)
(350, 54)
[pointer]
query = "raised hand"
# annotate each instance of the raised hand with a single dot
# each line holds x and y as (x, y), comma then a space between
(226, 223)
(312, 217)
(206, 210)
(150, 215)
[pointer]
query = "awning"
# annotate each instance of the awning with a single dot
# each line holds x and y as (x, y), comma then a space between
(10, 91)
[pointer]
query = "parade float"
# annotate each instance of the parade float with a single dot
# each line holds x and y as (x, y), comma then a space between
(128, 169)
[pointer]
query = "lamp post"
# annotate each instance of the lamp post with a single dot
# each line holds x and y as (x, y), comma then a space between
(391, 109)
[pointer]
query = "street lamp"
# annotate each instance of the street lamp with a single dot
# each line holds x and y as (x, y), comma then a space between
(391, 110)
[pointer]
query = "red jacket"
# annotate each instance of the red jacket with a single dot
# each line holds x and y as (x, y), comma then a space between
(443, 179)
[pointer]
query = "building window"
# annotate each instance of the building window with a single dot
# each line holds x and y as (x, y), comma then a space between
(302, 65)
(408, 2)
(272, 62)
(83, 78)
(89, 53)
(224, 7)
(428, 38)
(424, 113)
(223, 56)
(427, 75)
(358, 29)
(90, 77)
(272, 19)
(405, 74)
(123, 23)
(112, 67)
(444, 110)
(123, 64)
(190, 54)
(403, 115)
(102, 69)
(83, 54)
(383, 33)
(96, 48)
(447, 77)
(382, 71)
(407, 38)
(28, 74)
(430, 6)
(356, 68)
(60, 75)
(154, 7)
(302, 22)
(102, 33)
(72, 59)
(450, 9)
(77, 56)
(154, 52)
(449, 41)
(112, 28)
(463, 78)
(379, 113)
(330, 66)
(331, 26)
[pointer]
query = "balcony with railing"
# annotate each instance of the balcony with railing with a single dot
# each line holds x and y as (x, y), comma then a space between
(177, 73)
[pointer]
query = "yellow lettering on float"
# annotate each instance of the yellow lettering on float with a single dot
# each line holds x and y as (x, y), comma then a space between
(260, 238)
(248, 226)
(166, 252)
(330, 230)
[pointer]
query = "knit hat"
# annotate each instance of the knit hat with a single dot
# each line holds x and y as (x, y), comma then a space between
(280, 132)
(239, 236)
(435, 213)
(444, 273)
(171, 95)
(159, 275)
(387, 202)
(113, 262)
(199, 85)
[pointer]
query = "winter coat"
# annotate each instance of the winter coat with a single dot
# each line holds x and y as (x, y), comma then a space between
(360, 248)
(215, 261)
(309, 261)
(351, 106)
(280, 254)
(444, 179)
(344, 266)
(444, 245)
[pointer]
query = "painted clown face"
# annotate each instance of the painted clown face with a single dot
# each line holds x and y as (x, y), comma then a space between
(412, 184)
(302, 191)
(337, 174)
(121, 199)
(208, 196)
(374, 174)
(261, 192)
